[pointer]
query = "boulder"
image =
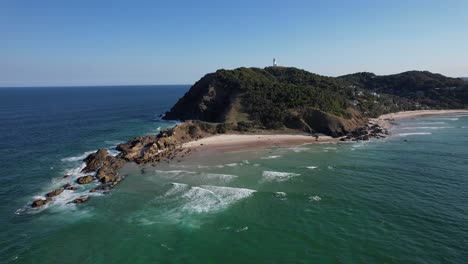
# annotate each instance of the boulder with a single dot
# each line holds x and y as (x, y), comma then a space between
(70, 187)
(81, 199)
(54, 193)
(85, 179)
(95, 160)
(40, 202)
(110, 169)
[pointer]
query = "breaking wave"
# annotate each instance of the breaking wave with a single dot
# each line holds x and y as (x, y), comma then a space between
(205, 198)
(269, 176)
(271, 157)
(426, 127)
(221, 177)
(412, 134)
(78, 158)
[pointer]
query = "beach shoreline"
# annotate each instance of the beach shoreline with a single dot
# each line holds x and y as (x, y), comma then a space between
(388, 120)
(240, 142)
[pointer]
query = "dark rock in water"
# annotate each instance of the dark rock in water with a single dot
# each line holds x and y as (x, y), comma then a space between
(40, 202)
(66, 176)
(109, 170)
(81, 199)
(70, 187)
(85, 179)
(55, 193)
(95, 160)
(108, 185)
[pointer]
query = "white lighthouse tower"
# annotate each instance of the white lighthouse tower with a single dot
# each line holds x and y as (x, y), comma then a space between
(274, 62)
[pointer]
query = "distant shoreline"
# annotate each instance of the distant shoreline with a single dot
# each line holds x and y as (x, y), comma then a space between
(387, 119)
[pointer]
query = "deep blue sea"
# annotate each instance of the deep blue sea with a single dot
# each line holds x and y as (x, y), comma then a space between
(399, 200)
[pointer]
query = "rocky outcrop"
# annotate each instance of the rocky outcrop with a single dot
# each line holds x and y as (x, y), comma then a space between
(85, 179)
(95, 160)
(54, 193)
(81, 199)
(110, 169)
(164, 145)
(69, 187)
(40, 202)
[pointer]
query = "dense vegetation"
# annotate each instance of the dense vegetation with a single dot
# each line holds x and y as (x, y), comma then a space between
(266, 97)
(422, 88)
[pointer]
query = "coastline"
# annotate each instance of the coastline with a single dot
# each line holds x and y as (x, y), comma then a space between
(239, 142)
(387, 120)
(193, 138)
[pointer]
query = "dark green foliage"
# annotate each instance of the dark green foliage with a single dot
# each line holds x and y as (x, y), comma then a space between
(268, 95)
(244, 126)
(419, 88)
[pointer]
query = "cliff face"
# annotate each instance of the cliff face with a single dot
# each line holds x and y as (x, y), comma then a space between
(315, 121)
(209, 100)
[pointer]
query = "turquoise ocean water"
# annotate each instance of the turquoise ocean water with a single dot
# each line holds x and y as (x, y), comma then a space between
(400, 200)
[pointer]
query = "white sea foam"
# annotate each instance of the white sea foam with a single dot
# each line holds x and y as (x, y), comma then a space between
(113, 142)
(280, 195)
(78, 158)
(113, 152)
(176, 188)
(311, 167)
(207, 198)
(315, 198)
(231, 164)
(269, 176)
(411, 134)
(222, 177)
(430, 123)
(271, 157)
(448, 118)
(426, 127)
(166, 247)
(174, 172)
(298, 149)
(330, 148)
(242, 229)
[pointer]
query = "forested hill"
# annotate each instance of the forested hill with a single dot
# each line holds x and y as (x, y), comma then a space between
(424, 88)
(279, 97)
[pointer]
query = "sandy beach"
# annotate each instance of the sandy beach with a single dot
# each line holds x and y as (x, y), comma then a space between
(238, 142)
(387, 119)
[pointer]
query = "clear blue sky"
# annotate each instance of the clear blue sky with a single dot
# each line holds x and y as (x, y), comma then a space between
(176, 42)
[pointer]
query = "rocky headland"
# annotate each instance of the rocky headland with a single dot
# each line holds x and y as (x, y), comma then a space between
(274, 100)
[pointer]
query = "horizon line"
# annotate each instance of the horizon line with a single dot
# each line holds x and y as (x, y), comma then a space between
(78, 86)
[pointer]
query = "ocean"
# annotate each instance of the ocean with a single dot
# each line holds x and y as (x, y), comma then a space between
(399, 200)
